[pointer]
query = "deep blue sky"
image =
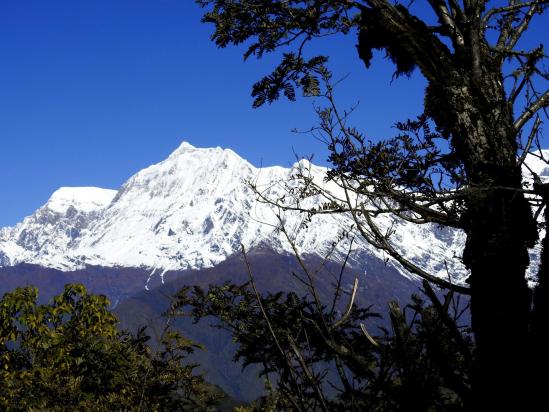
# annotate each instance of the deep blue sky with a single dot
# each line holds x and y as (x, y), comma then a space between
(93, 91)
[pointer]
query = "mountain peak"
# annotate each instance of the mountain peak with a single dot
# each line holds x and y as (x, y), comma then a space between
(193, 210)
(187, 148)
(85, 199)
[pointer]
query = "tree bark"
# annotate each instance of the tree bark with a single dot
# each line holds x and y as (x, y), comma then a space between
(497, 256)
(500, 229)
(466, 99)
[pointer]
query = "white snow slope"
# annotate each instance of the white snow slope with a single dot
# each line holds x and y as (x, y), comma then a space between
(194, 210)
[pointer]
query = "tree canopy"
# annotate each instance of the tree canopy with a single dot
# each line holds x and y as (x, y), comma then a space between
(458, 165)
(318, 358)
(70, 355)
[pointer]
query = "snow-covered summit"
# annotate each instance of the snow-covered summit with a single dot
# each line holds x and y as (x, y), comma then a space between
(55, 228)
(194, 209)
(84, 199)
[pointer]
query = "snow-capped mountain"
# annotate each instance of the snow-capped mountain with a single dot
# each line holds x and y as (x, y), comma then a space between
(184, 220)
(194, 210)
(55, 227)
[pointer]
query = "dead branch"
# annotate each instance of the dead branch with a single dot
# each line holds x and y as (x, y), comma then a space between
(530, 111)
(349, 308)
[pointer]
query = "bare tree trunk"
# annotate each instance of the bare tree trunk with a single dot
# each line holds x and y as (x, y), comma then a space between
(500, 229)
(467, 100)
(500, 299)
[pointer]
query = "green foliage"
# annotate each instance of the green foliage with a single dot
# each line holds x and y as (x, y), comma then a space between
(292, 71)
(486, 97)
(69, 355)
(321, 363)
(270, 25)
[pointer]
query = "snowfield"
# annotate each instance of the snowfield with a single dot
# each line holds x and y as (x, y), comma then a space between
(194, 210)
